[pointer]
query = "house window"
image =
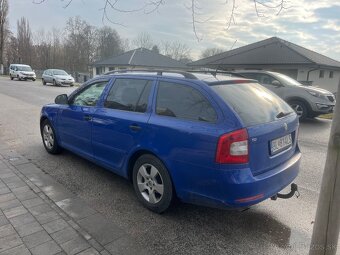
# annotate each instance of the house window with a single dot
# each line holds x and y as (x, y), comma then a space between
(98, 70)
(322, 74)
(331, 74)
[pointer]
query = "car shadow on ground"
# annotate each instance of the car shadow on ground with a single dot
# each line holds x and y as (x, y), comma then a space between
(114, 197)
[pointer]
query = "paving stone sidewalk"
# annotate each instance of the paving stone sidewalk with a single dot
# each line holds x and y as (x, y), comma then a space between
(39, 216)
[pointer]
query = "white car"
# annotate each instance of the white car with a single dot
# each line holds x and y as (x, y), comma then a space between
(57, 77)
(21, 72)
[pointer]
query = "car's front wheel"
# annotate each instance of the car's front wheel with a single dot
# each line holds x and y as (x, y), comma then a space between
(152, 183)
(43, 81)
(10, 76)
(300, 108)
(49, 137)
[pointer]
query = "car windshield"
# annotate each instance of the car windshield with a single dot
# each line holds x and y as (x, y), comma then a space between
(253, 103)
(59, 72)
(286, 80)
(24, 68)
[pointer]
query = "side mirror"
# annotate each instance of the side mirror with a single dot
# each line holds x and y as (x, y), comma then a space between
(276, 83)
(61, 99)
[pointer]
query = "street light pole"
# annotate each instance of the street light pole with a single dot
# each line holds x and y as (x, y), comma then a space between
(327, 221)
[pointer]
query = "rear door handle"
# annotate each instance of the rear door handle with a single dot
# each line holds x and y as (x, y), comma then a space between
(87, 117)
(135, 127)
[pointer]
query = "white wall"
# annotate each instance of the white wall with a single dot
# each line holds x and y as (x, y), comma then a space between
(327, 83)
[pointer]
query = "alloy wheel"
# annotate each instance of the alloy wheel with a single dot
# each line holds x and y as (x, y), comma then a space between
(298, 109)
(150, 183)
(48, 136)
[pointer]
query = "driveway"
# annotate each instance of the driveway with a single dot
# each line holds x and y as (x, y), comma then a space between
(272, 227)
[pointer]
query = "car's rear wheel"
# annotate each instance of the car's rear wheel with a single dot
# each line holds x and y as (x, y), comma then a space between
(49, 137)
(300, 108)
(18, 78)
(43, 81)
(152, 183)
(54, 83)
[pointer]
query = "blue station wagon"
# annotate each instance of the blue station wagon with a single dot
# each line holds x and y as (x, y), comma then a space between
(217, 141)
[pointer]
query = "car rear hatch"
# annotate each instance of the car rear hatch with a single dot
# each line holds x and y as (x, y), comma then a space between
(270, 122)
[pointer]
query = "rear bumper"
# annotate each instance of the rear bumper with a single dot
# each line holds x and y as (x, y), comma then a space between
(240, 188)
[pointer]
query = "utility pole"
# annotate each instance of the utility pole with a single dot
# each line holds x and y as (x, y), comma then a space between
(327, 221)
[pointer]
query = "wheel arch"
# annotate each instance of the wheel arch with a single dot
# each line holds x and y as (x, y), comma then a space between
(138, 153)
(307, 104)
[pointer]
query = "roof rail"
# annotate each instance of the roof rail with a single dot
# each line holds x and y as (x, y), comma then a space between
(216, 72)
(186, 75)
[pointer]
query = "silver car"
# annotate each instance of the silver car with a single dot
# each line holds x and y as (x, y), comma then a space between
(57, 77)
(307, 101)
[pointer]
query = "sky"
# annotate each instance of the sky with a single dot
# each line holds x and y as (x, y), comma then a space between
(314, 24)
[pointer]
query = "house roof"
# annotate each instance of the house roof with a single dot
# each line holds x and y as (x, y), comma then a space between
(272, 51)
(141, 57)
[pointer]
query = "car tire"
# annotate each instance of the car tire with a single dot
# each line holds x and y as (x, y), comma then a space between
(43, 81)
(49, 139)
(55, 83)
(33, 79)
(10, 76)
(18, 78)
(71, 85)
(300, 108)
(152, 183)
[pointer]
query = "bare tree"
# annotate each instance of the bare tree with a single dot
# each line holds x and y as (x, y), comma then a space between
(150, 6)
(211, 52)
(3, 31)
(108, 42)
(24, 37)
(143, 40)
(12, 52)
(175, 50)
(79, 44)
(155, 48)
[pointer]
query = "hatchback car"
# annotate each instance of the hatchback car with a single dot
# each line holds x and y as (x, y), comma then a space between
(307, 101)
(57, 77)
(21, 72)
(216, 141)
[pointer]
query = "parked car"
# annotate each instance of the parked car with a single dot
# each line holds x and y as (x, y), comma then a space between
(57, 77)
(21, 72)
(217, 141)
(307, 101)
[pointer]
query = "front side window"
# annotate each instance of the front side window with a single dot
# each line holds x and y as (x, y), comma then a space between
(90, 95)
(129, 95)
(184, 102)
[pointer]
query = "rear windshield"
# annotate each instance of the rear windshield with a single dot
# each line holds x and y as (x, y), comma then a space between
(253, 103)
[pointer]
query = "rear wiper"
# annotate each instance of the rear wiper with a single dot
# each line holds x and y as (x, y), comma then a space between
(282, 114)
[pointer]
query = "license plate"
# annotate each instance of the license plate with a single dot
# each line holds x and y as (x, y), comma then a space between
(280, 144)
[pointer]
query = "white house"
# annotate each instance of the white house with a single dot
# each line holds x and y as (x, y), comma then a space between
(275, 54)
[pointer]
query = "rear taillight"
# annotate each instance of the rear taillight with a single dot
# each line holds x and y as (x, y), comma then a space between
(232, 148)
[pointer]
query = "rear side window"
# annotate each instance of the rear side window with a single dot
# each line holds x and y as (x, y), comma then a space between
(253, 103)
(184, 102)
(129, 95)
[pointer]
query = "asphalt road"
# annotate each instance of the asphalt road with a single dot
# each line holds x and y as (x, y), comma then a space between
(272, 227)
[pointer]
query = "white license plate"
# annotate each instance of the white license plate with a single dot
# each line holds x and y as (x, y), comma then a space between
(280, 144)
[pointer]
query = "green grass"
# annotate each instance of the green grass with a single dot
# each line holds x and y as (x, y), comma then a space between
(328, 116)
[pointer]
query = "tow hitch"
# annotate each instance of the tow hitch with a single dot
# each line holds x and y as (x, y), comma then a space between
(293, 191)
